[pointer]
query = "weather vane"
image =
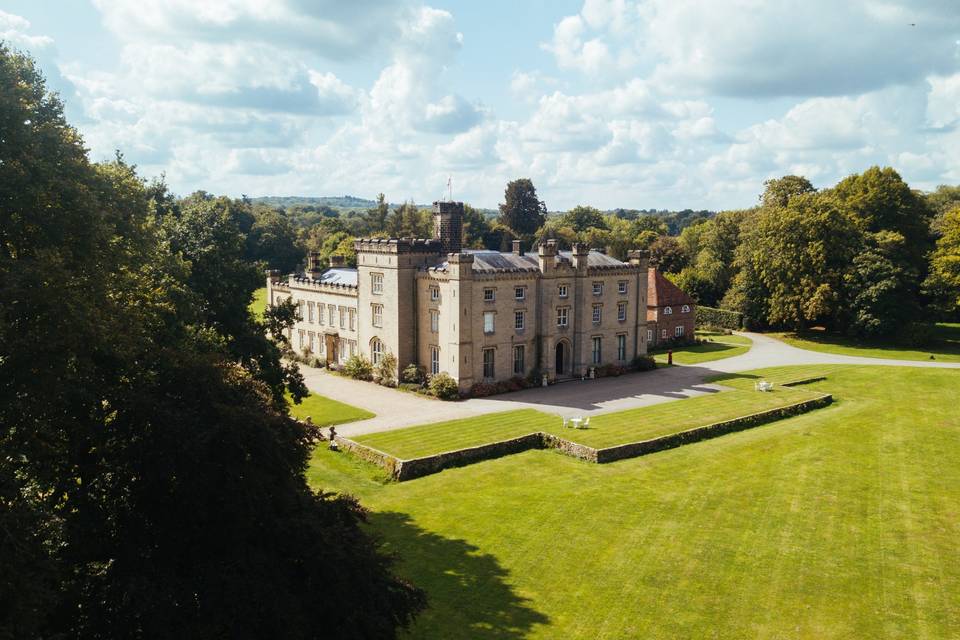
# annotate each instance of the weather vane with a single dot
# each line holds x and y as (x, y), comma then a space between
(449, 188)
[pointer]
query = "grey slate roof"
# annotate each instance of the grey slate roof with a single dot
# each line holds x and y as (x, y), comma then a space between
(339, 275)
(487, 261)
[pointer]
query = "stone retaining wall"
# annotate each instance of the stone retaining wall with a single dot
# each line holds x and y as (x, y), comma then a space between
(401, 469)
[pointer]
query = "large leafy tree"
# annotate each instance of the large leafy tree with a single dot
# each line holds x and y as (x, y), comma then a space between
(151, 483)
(943, 283)
(582, 218)
(522, 211)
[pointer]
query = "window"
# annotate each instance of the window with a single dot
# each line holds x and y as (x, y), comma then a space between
(302, 307)
(518, 320)
(376, 351)
(434, 293)
(311, 336)
(435, 321)
(320, 309)
(518, 354)
(685, 309)
(621, 311)
(353, 347)
(310, 307)
(562, 317)
(519, 293)
(377, 310)
(597, 313)
(320, 344)
(332, 314)
(302, 336)
(649, 335)
(343, 317)
(488, 363)
(678, 331)
(562, 291)
(353, 319)
(667, 311)
(622, 287)
(488, 317)
(489, 295)
(598, 288)
(663, 333)
(621, 348)
(376, 283)
(596, 350)
(434, 360)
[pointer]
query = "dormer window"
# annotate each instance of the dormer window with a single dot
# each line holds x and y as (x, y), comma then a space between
(668, 311)
(685, 308)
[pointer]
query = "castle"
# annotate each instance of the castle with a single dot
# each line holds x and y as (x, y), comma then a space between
(478, 315)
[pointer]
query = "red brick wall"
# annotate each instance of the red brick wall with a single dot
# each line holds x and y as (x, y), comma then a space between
(670, 323)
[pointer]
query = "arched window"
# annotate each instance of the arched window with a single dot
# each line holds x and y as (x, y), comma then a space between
(667, 311)
(686, 308)
(376, 350)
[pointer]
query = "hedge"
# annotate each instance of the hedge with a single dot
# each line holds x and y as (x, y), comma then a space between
(720, 318)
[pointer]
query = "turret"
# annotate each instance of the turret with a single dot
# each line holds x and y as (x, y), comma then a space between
(448, 225)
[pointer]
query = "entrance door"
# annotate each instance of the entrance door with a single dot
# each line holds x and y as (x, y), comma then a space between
(331, 348)
(560, 364)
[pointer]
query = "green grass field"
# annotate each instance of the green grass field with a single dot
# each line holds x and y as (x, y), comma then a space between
(946, 348)
(259, 302)
(323, 411)
(719, 346)
(605, 430)
(840, 523)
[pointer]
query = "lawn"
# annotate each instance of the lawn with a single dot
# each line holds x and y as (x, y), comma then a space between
(259, 302)
(323, 411)
(605, 430)
(720, 346)
(946, 347)
(840, 523)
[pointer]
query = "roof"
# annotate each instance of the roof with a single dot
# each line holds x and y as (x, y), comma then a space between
(663, 293)
(339, 275)
(487, 261)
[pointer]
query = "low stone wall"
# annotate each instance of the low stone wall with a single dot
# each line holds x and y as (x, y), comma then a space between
(634, 449)
(419, 467)
(362, 451)
(402, 470)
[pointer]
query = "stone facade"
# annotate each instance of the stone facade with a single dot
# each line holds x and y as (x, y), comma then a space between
(481, 316)
(671, 312)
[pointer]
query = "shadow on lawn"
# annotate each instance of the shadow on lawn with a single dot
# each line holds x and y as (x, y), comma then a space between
(467, 595)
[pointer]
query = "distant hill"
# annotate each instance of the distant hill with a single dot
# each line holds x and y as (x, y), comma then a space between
(335, 202)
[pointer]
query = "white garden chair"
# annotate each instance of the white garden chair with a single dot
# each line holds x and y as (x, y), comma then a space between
(586, 423)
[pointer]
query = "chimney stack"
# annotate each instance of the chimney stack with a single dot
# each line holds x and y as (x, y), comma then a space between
(337, 261)
(448, 225)
(516, 248)
(314, 265)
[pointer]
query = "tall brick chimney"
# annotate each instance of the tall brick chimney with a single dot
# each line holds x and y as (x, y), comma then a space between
(448, 225)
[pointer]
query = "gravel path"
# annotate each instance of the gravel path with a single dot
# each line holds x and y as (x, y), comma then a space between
(396, 409)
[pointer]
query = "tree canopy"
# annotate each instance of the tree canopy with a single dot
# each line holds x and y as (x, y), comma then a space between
(151, 481)
(522, 211)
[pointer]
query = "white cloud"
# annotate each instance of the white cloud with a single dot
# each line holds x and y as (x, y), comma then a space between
(13, 29)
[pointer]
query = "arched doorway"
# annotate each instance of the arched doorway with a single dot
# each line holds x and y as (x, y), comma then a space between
(562, 361)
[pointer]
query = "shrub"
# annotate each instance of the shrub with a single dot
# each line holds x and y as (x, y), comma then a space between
(482, 390)
(386, 370)
(917, 334)
(444, 387)
(504, 387)
(643, 363)
(518, 382)
(358, 368)
(608, 370)
(410, 386)
(412, 374)
(535, 378)
(718, 318)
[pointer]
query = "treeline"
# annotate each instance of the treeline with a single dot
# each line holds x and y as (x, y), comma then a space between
(868, 257)
(152, 482)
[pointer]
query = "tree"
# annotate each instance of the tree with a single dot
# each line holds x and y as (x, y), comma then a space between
(475, 228)
(943, 283)
(778, 192)
(582, 218)
(667, 255)
(377, 216)
(522, 212)
(151, 482)
(273, 241)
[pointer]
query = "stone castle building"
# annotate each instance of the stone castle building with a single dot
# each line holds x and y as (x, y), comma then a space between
(478, 315)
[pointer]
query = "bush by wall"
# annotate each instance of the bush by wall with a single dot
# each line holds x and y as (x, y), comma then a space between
(719, 318)
(358, 367)
(444, 386)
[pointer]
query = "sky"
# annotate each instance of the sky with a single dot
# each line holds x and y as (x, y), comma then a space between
(664, 104)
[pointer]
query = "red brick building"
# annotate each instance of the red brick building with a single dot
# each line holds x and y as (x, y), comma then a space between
(671, 316)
